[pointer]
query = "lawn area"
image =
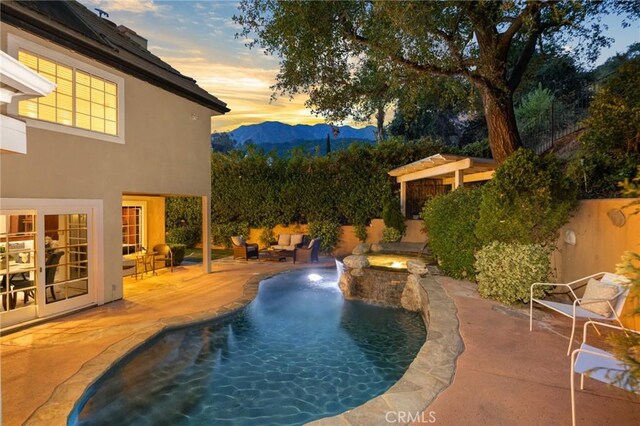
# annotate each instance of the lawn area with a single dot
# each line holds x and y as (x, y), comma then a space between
(195, 254)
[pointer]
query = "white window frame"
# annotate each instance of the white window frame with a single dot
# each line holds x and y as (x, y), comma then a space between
(15, 43)
(143, 219)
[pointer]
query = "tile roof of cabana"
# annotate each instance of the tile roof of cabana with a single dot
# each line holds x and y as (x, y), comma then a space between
(443, 166)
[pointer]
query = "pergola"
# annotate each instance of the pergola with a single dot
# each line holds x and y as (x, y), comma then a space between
(454, 170)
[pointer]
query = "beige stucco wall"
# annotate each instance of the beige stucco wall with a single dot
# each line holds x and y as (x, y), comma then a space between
(165, 152)
(599, 244)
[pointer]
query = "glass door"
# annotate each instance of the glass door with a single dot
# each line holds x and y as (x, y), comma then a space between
(18, 266)
(65, 282)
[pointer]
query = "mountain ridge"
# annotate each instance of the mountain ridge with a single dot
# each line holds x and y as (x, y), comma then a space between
(275, 132)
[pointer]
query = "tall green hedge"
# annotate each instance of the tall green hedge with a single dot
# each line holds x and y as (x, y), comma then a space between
(450, 220)
(347, 186)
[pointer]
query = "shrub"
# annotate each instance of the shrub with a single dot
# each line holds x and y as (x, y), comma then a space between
(526, 202)
(221, 233)
(328, 232)
(391, 235)
(188, 235)
(360, 232)
(610, 150)
(266, 236)
(505, 271)
(450, 220)
(177, 250)
(392, 215)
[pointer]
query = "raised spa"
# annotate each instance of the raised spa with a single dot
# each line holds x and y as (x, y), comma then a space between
(297, 353)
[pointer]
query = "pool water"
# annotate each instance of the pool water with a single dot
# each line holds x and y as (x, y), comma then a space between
(297, 353)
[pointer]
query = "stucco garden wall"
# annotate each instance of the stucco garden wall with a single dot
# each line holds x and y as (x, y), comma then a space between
(600, 242)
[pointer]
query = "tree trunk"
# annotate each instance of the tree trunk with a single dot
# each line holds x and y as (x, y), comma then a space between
(380, 124)
(504, 138)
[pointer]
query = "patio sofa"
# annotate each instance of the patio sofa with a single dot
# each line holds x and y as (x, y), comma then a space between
(289, 242)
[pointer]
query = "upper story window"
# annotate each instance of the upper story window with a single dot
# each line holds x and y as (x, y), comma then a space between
(88, 100)
(80, 100)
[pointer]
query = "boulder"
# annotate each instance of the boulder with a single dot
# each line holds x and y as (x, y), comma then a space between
(361, 248)
(410, 299)
(356, 261)
(357, 272)
(376, 248)
(417, 267)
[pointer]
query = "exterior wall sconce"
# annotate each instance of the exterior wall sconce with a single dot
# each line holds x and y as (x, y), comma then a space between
(570, 237)
(194, 116)
(617, 217)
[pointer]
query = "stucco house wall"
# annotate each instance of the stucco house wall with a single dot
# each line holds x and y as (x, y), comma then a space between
(166, 151)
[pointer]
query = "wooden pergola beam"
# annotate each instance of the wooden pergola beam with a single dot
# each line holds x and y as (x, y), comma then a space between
(437, 170)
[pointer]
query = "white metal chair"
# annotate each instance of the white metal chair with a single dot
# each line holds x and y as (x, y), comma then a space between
(597, 364)
(574, 310)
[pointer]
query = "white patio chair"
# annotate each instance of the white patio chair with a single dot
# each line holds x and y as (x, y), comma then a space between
(575, 310)
(597, 364)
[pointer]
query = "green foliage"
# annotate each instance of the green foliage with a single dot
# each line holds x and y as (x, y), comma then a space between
(221, 233)
(360, 232)
(347, 186)
(266, 236)
(450, 220)
(391, 235)
(329, 233)
(355, 57)
(610, 150)
(222, 142)
(177, 250)
(187, 235)
(505, 271)
(533, 113)
(183, 220)
(392, 215)
(526, 202)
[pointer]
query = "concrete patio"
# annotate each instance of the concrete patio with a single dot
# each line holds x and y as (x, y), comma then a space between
(506, 375)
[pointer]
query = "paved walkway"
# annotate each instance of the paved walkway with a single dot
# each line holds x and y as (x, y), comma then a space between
(506, 375)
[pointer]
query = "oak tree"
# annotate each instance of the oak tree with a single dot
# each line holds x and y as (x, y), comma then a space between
(326, 48)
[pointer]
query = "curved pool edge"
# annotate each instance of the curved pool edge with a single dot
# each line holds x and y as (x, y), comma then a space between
(430, 373)
(62, 402)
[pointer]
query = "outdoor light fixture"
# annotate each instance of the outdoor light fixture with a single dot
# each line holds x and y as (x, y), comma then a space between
(314, 278)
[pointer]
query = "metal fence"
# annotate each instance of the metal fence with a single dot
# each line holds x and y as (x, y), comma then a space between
(564, 117)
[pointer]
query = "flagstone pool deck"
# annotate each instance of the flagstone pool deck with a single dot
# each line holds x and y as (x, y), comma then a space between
(506, 374)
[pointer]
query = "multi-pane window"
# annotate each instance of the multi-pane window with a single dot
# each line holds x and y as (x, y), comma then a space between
(80, 100)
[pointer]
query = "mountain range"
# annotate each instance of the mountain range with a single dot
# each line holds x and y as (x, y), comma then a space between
(274, 132)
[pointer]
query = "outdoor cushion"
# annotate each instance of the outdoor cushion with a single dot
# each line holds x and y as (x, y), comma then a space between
(296, 239)
(599, 290)
(281, 247)
(284, 239)
(313, 242)
(238, 241)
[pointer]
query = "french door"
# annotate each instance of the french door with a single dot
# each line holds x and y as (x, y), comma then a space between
(50, 261)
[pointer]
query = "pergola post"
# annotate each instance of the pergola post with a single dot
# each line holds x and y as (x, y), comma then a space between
(403, 199)
(206, 235)
(458, 179)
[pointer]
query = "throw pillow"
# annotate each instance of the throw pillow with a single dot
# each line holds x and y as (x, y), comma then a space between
(598, 290)
(284, 239)
(313, 242)
(238, 241)
(296, 239)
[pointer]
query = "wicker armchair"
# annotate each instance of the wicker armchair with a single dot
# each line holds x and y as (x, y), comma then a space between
(243, 250)
(308, 253)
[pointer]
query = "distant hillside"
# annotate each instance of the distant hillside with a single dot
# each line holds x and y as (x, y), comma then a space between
(310, 147)
(274, 132)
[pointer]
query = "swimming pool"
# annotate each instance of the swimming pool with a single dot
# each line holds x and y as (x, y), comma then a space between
(297, 353)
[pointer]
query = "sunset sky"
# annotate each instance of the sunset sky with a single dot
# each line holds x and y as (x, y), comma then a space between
(198, 39)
